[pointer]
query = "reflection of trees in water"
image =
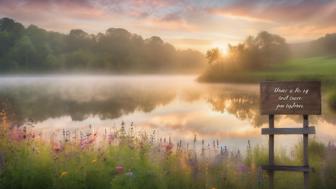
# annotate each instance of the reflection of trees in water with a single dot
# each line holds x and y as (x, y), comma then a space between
(108, 101)
(242, 101)
(243, 106)
(39, 103)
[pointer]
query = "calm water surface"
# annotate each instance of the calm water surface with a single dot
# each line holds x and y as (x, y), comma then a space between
(173, 106)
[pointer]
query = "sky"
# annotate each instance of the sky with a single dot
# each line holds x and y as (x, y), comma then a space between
(186, 24)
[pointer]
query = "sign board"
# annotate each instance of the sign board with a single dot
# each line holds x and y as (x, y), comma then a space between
(291, 97)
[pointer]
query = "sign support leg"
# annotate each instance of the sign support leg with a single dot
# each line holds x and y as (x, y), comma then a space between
(305, 152)
(271, 152)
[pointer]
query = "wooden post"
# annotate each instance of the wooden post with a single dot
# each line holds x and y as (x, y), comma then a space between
(271, 151)
(276, 98)
(305, 152)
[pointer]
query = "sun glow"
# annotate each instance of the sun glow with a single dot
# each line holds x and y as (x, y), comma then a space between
(223, 47)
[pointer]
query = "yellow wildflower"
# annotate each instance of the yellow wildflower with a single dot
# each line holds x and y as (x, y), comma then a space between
(3, 116)
(64, 173)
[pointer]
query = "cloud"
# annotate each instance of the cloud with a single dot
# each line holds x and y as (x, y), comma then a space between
(174, 25)
(192, 41)
(209, 23)
(81, 9)
(296, 20)
(202, 124)
(301, 32)
(152, 13)
(287, 11)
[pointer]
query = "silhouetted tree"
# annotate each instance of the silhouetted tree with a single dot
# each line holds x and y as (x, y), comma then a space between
(212, 55)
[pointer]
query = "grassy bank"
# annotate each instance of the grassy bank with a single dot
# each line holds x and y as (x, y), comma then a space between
(124, 160)
(315, 68)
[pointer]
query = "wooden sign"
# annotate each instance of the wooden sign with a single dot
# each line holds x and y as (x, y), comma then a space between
(291, 97)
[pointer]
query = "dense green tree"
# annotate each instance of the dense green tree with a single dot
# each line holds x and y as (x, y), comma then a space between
(260, 51)
(23, 53)
(33, 49)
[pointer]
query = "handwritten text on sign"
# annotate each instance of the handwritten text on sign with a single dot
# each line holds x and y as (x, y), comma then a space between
(290, 97)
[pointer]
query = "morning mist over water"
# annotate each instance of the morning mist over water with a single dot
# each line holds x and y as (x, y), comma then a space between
(173, 106)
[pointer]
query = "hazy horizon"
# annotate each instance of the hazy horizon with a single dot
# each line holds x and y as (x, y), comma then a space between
(185, 24)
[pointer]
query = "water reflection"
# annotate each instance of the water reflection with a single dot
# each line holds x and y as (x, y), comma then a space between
(174, 105)
(38, 100)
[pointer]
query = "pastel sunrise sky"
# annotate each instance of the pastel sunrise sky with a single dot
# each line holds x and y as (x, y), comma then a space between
(187, 23)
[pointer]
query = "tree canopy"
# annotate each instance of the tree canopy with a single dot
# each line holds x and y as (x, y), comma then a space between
(33, 49)
(260, 51)
(254, 53)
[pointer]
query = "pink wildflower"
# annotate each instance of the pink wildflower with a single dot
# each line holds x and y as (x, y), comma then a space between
(119, 169)
(169, 147)
(110, 138)
(57, 147)
(242, 168)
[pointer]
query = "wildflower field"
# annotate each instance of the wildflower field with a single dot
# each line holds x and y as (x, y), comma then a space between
(126, 159)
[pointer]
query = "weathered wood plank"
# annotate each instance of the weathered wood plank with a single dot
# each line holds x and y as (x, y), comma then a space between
(287, 131)
(290, 97)
(286, 168)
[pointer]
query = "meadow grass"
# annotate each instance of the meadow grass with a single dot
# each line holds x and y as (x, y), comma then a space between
(124, 159)
(135, 161)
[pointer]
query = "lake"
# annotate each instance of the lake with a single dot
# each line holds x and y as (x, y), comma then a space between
(169, 107)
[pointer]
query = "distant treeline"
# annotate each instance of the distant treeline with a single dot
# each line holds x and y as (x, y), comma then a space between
(324, 46)
(32, 49)
(264, 52)
(254, 53)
